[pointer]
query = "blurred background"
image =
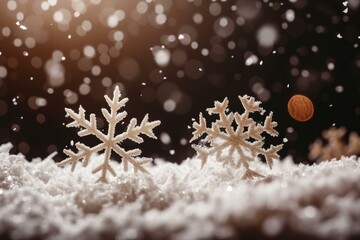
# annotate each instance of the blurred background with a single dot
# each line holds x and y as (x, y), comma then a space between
(173, 59)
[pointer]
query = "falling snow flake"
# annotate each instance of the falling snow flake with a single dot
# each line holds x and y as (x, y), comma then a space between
(109, 142)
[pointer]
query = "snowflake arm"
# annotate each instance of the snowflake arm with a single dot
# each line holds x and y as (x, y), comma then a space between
(134, 131)
(109, 142)
(84, 154)
(251, 105)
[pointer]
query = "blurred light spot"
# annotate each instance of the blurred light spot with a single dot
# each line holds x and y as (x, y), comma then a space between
(89, 51)
(224, 27)
(165, 138)
(184, 39)
(87, 80)
(204, 52)
(106, 82)
(142, 7)
(15, 127)
(231, 45)
(118, 36)
(45, 6)
(20, 16)
(294, 60)
(248, 9)
(84, 89)
(55, 73)
(161, 56)
(272, 226)
(3, 72)
(129, 69)
(197, 18)
(354, 4)
(183, 141)
(70, 97)
(331, 66)
(104, 59)
(96, 70)
(290, 15)
(169, 105)
(40, 118)
(159, 8)
(339, 89)
(62, 16)
(102, 48)
(251, 60)
(30, 42)
(36, 62)
(24, 147)
(57, 55)
(267, 36)
(180, 74)
(17, 42)
(160, 19)
(215, 9)
(86, 25)
(40, 102)
(6, 31)
(114, 52)
(11, 5)
(305, 73)
(114, 19)
(52, 2)
(194, 45)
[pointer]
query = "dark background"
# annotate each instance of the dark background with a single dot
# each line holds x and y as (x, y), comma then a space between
(322, 35)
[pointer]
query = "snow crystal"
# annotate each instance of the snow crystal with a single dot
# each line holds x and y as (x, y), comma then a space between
(38, 200)
(109, 142)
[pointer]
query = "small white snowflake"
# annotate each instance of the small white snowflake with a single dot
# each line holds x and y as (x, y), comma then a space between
(236, 146)
(109, 142)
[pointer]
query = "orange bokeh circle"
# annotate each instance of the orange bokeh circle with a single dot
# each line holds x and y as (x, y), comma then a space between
(300, 108)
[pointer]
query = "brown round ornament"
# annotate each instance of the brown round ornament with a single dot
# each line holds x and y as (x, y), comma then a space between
(300, 108)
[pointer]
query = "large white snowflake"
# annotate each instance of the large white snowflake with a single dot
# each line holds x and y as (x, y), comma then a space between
(109, 142)
(235, 139)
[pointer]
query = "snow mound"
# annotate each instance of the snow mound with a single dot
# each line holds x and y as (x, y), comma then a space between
(39, 200)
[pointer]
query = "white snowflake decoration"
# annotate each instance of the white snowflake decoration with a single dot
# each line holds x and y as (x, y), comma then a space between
(109, 142)
(238, 146)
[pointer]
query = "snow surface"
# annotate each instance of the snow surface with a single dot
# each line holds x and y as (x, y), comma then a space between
(39, 200)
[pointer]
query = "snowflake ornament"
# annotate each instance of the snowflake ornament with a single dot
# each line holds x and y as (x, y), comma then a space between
(235, 139)
(109, 142)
